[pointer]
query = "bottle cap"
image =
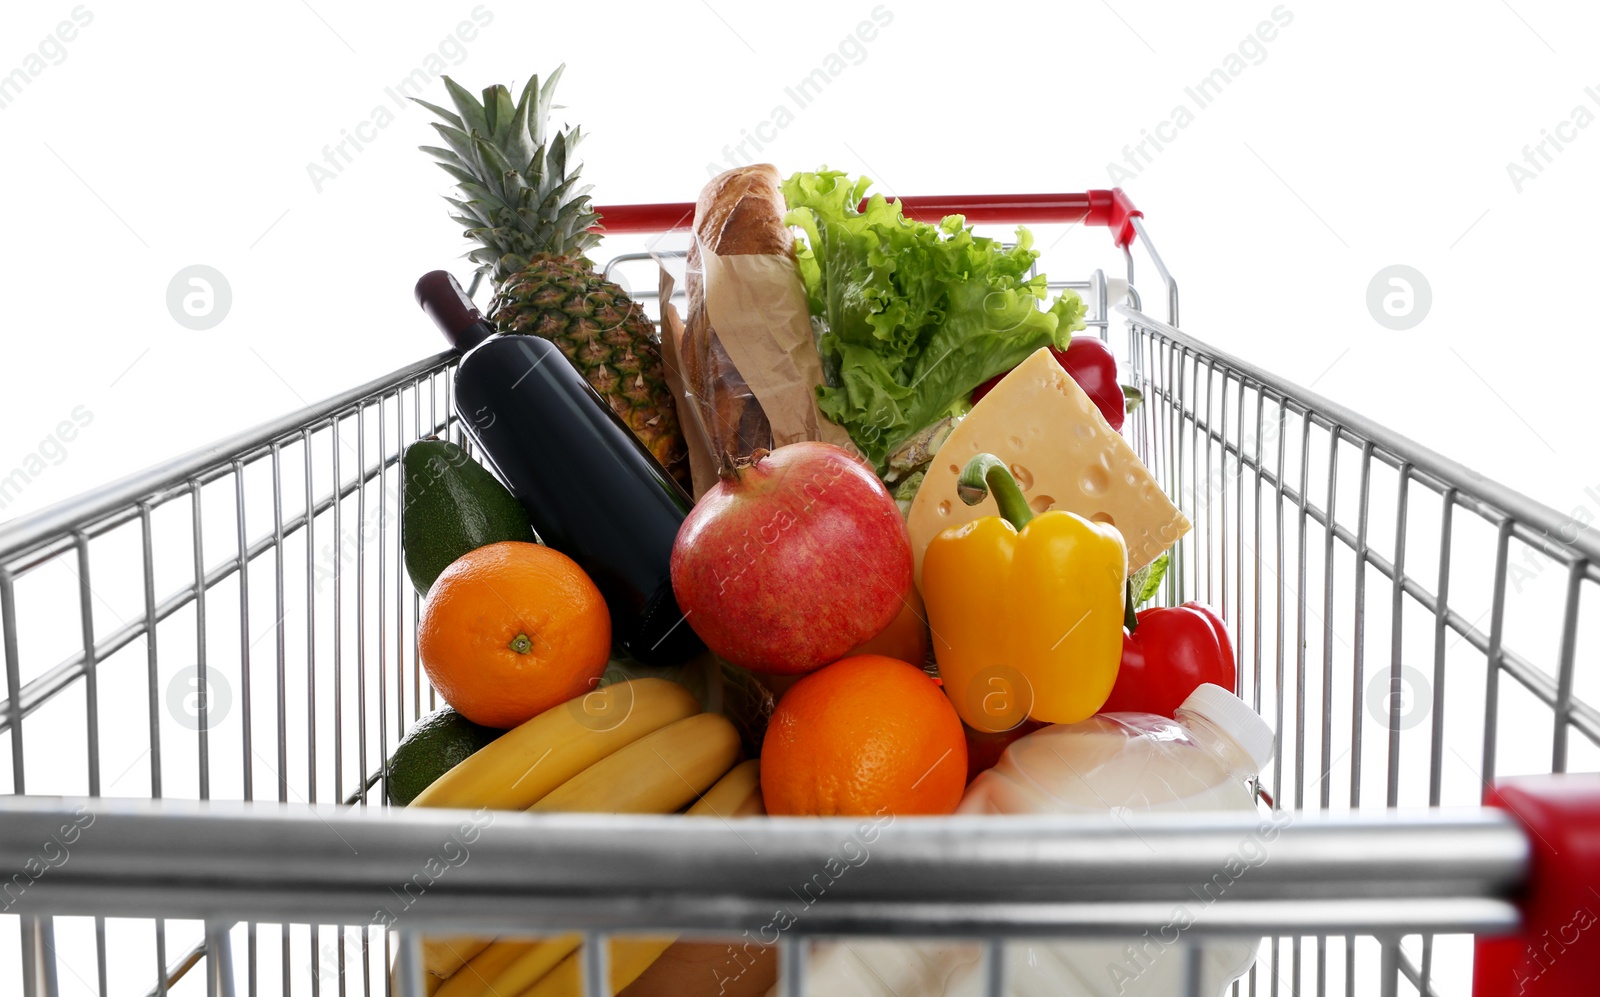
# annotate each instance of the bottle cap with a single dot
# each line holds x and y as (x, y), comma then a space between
(1235, 717)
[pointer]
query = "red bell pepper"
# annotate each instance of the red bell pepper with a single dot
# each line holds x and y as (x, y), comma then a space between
(1167, 654)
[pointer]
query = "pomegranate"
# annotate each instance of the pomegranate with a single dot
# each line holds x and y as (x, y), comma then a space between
(792, 559)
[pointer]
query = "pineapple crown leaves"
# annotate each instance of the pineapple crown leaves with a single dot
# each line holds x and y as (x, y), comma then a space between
(518, 181)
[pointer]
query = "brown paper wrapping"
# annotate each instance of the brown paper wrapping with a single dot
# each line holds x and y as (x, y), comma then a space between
(757, 305)
(702, 462)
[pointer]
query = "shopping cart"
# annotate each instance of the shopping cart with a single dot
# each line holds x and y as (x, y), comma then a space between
(235, 626)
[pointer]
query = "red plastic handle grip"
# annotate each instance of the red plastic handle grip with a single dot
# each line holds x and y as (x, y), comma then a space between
(1557, 952)
(1106, 208)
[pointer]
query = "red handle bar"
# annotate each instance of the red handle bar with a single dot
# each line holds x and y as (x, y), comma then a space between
(1107, 208)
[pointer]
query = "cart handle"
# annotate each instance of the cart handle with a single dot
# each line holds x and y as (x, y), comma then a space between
(1105, 208)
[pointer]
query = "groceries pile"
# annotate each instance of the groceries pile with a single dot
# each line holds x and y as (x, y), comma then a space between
(857, 535)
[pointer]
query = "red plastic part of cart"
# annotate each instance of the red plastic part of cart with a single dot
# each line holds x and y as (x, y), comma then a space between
(1557, 952)
(1114, 210)
(1110, 209)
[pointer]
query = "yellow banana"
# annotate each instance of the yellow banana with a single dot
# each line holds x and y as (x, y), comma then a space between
(443, 956)
(629, 958)
(737, 794)
(522, 765)
(482, 969)
(509, 966)
(533, 966)
(658, 774)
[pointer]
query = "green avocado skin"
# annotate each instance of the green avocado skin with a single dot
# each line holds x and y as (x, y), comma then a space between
(452, 505)
(433, 746)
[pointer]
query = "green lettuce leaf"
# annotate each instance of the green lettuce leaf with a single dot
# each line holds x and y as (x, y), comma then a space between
(1147, 580)
(914, 315)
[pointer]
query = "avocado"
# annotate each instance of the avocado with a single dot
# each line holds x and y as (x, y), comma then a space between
(451, 505)
(433, 746)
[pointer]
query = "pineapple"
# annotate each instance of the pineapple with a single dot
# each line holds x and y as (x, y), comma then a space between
(522, 204)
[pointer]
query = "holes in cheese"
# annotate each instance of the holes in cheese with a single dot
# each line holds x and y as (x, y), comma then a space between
(1064, 456)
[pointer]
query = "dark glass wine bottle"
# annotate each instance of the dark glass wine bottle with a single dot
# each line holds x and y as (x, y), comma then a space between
(591, 489)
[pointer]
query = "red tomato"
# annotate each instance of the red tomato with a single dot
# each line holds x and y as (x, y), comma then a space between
(1092, 365)
(1169, 654)
(984, 748)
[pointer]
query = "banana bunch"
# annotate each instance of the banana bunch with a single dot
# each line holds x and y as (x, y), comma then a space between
(641, 746)
(547, 967)
(737, 794)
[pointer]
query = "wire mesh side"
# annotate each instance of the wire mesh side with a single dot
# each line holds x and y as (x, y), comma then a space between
(243, 630)
(1378, 607)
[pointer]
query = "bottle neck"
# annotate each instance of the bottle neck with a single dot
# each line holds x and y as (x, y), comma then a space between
(442, 298)
(1220, 743)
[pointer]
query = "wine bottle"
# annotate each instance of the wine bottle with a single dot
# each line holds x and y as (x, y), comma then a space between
(590, 488)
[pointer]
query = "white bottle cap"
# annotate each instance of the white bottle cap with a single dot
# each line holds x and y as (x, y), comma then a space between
(1235, 717)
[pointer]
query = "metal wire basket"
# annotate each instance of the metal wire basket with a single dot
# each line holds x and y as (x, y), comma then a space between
(235, 626)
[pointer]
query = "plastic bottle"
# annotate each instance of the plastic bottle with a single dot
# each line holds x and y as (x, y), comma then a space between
(1116, 763)
(1132, 761)
(1123, 763)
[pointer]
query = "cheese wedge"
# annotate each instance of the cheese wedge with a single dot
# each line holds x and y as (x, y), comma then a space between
(1064, 456)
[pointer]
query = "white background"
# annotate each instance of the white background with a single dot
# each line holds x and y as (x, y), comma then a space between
(1371, 134)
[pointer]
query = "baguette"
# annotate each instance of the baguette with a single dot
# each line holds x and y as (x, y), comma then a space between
(739, 213)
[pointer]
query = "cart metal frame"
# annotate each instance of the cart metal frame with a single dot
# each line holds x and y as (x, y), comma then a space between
(1261, 465)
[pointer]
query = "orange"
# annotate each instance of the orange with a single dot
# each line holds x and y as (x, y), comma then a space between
(512, 629)
(906, 636)
(863, 736)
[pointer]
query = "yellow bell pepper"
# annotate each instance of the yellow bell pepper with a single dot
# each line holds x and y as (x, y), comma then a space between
(1026, 610)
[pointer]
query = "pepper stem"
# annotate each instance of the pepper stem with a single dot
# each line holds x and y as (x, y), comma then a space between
(987, 473)
(1130, 613)
(521, 643)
